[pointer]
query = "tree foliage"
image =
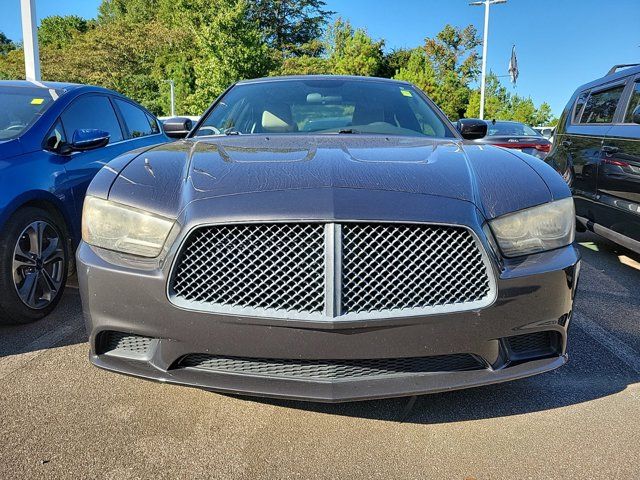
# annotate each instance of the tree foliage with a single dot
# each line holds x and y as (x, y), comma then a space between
(57, 31)
(136, 46)
(394, 61)
(352, 51)
(6, 45)
(499, 104)
(290, 27)
(445, 67)
(305, 65)
(232, 49)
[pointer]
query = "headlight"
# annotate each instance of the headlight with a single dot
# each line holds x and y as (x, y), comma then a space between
(536, 229)
(125, 229)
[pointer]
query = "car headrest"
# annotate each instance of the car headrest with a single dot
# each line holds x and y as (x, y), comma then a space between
(277, 118)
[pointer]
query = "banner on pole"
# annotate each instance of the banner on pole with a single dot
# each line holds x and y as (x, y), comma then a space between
(513, 66)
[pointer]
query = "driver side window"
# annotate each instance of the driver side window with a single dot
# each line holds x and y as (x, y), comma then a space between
(92, 111)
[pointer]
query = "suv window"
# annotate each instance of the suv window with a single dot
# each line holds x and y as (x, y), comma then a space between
(601, 106)
(634, 102)
(582, 99)
(138, 122)
(92, 112)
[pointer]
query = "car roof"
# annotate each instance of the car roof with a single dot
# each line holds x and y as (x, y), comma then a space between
(625, 72)
(58, 86)
(322, 77)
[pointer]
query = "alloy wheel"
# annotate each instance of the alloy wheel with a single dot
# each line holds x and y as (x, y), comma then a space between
(38, 265)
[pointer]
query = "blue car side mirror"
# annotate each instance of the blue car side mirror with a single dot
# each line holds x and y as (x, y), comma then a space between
(88, 139)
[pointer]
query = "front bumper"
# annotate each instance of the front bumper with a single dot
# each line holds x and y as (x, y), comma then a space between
(534, 295)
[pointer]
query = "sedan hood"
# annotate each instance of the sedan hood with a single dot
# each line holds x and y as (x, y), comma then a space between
(166, 179)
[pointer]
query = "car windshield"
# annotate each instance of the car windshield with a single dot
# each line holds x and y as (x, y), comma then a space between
(21, 107)
(324, 106)
(511, 128)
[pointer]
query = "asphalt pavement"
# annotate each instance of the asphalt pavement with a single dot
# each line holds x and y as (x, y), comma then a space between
(60, 417)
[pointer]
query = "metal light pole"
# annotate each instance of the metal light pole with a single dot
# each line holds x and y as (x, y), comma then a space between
(30, 40)
(487, 4)
(172, 85)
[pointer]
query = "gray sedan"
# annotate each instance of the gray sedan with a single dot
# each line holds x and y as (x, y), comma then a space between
(330, 239)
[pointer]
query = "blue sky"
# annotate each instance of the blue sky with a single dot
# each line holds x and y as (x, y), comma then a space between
(561, 44)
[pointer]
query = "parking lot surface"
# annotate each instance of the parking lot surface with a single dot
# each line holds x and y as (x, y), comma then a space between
(63, 418)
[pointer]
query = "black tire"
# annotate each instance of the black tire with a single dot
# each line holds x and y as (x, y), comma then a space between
(14, 234)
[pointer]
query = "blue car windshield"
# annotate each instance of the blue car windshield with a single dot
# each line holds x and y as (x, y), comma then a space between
(324, 106)
(21, 107)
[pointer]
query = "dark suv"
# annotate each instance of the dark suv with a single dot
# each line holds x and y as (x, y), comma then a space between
(597, 150)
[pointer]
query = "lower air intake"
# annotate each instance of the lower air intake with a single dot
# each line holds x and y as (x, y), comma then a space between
(123, 344)
(532, 345)
(331, 369)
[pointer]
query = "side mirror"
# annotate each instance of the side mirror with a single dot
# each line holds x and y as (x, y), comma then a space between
(471, 128)
(635, 116)
(86, 139)
(177, 127)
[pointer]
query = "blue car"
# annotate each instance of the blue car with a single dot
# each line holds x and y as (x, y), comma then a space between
(54, 138)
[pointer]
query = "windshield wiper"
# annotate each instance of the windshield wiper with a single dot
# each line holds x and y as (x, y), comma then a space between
(348, 131)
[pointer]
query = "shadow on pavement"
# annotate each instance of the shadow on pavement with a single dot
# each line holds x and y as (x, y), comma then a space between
(63, 327)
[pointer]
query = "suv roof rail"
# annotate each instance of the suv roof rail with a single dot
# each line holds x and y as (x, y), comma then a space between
(622, 65)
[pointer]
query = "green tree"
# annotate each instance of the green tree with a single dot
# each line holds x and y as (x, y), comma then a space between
(101, 57)
(502, 105)
(231, 48)
(394, 61)
(12, 65)
(352, 51)
(176, 62)
(419, 71)
(57, 31)
(544, 115)
(6, 45)
(291, 27)
(445, 67)
(134, 10)
(305, 65)
(496, 102)
(453, 55)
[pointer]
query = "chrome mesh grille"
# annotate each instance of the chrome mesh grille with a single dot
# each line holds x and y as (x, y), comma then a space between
(341, 271)
(389, 267)
(331, 369)
(266, 266)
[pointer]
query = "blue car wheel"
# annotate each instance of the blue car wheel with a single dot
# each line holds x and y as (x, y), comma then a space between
(34, 261)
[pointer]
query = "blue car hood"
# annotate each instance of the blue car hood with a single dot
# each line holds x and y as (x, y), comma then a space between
(9, 149)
